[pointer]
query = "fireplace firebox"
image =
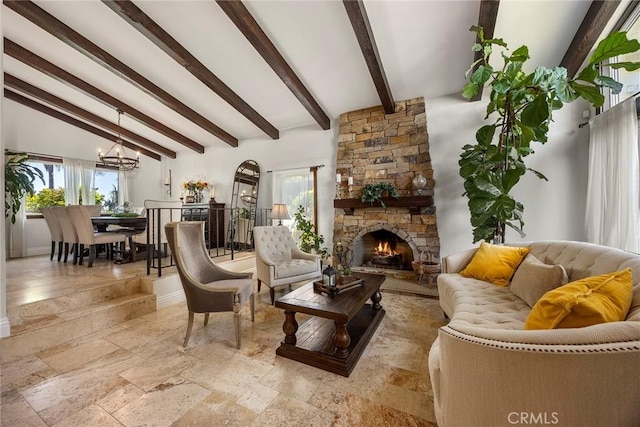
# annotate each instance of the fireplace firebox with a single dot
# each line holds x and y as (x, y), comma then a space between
(382, 249)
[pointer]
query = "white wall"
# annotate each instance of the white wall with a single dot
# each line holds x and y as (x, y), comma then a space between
(553, 210)
(296, 148)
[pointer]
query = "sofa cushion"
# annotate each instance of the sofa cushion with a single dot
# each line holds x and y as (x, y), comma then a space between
(495, 264)
(475, 302)
(294, 267)
(533, 279)
(585, 302)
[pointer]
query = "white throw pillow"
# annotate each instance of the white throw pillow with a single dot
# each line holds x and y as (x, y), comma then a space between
(534, 278)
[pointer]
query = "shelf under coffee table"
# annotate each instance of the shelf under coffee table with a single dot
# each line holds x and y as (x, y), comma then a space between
(340, 329)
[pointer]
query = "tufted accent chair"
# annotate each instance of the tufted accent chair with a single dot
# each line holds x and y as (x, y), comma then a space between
(207, 287)
(279, 261)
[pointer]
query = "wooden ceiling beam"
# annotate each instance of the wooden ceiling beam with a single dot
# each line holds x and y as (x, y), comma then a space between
(21, 54)
(58, 29)
(362, 28)
(597, 17)
(487, 18)
(249, 27)
(14, 96)
(156, 34)
(42, 95)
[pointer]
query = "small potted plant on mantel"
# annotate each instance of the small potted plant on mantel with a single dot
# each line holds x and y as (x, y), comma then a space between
(375, 191)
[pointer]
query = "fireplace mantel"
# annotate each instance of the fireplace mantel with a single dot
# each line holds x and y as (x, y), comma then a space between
(414, 203)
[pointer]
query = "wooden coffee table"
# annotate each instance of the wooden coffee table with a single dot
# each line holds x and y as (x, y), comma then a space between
(341, 326)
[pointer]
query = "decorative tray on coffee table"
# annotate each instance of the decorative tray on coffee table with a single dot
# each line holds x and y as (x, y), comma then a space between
(345, 283)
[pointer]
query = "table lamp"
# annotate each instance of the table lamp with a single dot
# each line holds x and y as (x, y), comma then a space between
(279, 212)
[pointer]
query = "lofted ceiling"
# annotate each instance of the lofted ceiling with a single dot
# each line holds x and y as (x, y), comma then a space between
(423, 46)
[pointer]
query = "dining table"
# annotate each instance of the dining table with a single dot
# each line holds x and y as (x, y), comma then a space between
(129, 225)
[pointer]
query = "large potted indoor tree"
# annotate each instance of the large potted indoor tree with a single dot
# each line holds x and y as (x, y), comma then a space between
(519, 112)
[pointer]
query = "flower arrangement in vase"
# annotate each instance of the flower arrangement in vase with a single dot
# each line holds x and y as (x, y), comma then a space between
(195, 187)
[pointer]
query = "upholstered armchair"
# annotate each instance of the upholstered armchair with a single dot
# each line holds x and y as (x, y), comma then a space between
(279, 262)
(207, 287)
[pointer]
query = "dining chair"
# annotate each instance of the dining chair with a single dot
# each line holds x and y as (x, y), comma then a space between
(54, 230)
(81, 218)
(69, 234)
(207, 287)
(94, 210)
(279, 262)
(159, 213)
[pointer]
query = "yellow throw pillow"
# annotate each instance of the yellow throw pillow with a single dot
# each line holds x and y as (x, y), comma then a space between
(585, 302)
(495, 264)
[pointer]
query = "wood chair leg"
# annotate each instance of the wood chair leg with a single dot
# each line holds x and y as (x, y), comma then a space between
(80, 254)
(252, 302)
(74, 250)
(272, 292)
(236, 322)
(92, 254)
(60, 249)
(66, 252)
(189, 327)
(259, 284)
(206, 319)
(53, 249)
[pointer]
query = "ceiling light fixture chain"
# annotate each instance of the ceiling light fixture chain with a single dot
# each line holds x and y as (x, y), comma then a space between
(117, 156)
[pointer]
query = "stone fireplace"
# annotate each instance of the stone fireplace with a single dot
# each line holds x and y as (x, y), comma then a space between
(378, 147)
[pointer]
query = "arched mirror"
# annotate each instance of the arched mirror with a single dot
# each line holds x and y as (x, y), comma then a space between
(244, 200)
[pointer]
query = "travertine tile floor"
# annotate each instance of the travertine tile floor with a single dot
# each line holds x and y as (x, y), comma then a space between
(137, 373)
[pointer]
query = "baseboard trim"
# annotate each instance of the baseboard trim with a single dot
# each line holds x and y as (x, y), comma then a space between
(166, 300)
(5, 327)
(40, 251)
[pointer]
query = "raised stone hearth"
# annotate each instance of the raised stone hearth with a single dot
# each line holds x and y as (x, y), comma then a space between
(378, 147)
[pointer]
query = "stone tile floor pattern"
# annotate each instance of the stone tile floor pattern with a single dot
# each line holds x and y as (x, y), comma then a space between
(137, 373)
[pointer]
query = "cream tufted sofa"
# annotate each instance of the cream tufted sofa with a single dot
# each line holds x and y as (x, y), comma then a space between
(279, 261)
(487, 371)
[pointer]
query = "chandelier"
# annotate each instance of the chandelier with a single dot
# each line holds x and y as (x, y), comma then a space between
(117, 156)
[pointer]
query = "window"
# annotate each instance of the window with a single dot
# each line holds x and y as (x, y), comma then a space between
(629, 79)
(294, 188)
(52, 191)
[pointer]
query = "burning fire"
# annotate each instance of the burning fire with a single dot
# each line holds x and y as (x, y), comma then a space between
(383, 249)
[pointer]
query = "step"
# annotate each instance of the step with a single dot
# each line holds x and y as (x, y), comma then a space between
(240, 265)
(40, 311)
(55, 329)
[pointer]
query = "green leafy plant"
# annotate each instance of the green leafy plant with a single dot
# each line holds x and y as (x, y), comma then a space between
(243, 213)
(19, 177)
(520, 109)
(373, 192)
(126, 214)
(309, 239)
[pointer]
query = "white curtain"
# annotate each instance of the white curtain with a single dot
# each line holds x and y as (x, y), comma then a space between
(72, 178)
(294, 188)
(79, 175)
(17, 241)
(87, 182)
(613, 200)
(123, 188)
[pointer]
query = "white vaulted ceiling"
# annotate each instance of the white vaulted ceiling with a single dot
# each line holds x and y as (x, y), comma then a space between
(424, 47)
